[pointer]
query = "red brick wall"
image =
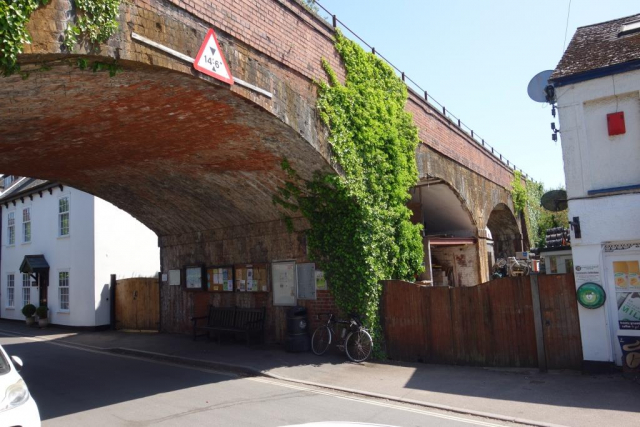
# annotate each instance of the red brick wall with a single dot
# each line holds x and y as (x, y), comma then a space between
(439, 133)
(281, 35)
(281, 29)
(286, 32)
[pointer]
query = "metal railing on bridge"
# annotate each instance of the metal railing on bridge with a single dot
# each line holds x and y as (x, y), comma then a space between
(424, 94)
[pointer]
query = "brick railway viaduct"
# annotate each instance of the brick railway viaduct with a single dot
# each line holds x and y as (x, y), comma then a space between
(197, 160)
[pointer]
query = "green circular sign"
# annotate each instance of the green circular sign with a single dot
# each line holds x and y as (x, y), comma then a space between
(591, 295)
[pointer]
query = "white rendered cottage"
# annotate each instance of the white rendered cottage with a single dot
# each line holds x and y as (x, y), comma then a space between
(597, 85)
(73, 242)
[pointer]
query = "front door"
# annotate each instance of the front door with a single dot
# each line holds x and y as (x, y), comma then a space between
(43, 286)
(623, 299)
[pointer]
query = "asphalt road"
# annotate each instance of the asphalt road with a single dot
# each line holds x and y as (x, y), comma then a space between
(79, 387)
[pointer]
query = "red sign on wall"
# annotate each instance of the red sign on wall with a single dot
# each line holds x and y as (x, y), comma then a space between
(615, 123)
(210, 59)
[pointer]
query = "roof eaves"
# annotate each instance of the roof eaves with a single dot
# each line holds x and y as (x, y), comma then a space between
(25, 192)
(596, 73)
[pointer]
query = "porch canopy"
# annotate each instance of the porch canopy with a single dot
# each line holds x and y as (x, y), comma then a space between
(35, 264)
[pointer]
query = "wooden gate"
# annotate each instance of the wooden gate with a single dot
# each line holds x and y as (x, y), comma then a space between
(138, 304)
(560, 322)
(492, 324)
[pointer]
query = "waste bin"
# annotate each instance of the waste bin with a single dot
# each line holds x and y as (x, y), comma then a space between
(297, 330)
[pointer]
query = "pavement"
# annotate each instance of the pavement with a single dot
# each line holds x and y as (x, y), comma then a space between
(526, 396)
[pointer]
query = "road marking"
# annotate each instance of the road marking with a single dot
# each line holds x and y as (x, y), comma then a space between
(377, 403)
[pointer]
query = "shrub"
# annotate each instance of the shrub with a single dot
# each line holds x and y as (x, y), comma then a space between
(29, 310)
(42, 311)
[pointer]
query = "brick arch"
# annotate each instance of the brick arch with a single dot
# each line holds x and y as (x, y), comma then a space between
(505, 231)
(177, 152)
(453, 196)
(181, 152)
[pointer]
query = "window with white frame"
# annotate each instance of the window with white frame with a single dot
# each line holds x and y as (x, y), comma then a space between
(26, 289)
(63, 216)
(26, 225)
(8, 180)
(63, 290)
(11, 228)
(10, 290)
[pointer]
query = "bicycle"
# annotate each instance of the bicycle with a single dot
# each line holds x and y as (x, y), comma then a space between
(358, 343)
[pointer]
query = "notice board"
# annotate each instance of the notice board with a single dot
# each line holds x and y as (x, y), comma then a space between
(306, 280)
(220, 279)
(252, 277)
(283, 278)
(193, 278)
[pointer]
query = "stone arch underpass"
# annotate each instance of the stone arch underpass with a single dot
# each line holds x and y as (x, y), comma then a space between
(197, 160)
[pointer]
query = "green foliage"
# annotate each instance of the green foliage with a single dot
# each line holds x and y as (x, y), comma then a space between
(533, 211)
(96, 21)
(29, 310)
(549, 220)
(42, 311)
(518, 192)
(538, 219)
(14, 16)
(310, 5)
(360, 225)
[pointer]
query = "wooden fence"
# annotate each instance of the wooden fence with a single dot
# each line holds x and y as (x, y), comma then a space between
(492, 324)
(137, 304)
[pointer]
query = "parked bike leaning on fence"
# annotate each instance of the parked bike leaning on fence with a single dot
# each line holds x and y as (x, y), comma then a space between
(357, 342)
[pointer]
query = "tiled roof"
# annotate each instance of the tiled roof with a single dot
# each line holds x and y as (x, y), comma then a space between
(599, 46)
(22, 187)
(34, 264)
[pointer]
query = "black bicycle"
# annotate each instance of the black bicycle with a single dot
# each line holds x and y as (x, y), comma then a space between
(357, 344)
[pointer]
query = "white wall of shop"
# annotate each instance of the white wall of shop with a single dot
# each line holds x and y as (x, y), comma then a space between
(124, 247)
(593, 160)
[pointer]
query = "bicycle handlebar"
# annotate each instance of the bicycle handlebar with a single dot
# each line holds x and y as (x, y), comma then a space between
(352, 318)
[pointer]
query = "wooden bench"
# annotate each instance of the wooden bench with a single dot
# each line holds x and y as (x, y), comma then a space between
(249, 321)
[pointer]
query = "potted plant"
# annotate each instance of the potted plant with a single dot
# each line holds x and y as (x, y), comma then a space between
(42, 316)
(28, 311)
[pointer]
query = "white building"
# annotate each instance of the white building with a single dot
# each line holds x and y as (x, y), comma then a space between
(597, 86)
(82, 238)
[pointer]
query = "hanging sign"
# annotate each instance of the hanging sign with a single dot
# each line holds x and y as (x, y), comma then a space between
(210, 59)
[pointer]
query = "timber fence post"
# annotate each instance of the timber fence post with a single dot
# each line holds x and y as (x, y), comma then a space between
(112, 295)
(537, 320)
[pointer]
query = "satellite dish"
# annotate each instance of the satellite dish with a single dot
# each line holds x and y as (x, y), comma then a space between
(554, 200)
(539, 88)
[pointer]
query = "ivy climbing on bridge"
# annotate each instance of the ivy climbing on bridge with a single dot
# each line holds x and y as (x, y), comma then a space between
(360, 229)
(14, 16)
(96, 21)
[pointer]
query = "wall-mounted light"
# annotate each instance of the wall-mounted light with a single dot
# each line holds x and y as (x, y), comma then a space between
(555, 133)
(575, 226)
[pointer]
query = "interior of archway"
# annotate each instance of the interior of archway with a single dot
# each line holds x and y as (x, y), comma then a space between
(178, 153)
(504, 232)
(450, 235)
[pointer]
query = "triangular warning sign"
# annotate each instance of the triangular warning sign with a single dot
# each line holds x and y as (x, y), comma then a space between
(211, 61)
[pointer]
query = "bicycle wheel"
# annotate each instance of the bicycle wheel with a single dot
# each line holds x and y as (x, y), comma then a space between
(358, 345)
(321, 340)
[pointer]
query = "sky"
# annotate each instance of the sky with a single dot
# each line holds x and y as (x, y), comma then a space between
(476, 57)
